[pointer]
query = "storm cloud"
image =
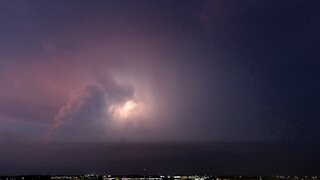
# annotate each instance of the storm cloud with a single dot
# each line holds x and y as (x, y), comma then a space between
(85, 116)
(201, 70)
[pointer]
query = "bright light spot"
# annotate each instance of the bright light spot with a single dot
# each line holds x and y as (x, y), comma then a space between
(128, 109)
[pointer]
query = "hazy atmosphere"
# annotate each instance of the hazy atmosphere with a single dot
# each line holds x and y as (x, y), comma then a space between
(81, 73)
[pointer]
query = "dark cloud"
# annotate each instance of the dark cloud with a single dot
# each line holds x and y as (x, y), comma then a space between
(86, 116)
(81, 117)
(115, 92)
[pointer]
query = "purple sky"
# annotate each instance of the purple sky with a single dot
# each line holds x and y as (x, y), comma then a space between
(190, 70)
(98, 85)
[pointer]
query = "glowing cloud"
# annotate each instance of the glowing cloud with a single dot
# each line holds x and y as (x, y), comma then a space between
(127, 111)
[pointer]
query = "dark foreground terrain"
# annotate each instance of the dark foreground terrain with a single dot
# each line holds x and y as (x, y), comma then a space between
(246, 159)
(158, 177)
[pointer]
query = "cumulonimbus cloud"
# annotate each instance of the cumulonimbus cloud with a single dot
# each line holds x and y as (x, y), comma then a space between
(85, 115)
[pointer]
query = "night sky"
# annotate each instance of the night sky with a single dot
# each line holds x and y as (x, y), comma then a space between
(164, 71)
